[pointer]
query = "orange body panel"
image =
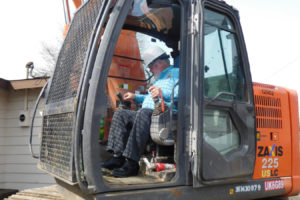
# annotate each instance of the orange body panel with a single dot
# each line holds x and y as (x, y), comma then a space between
(293, 98)
(273, 148)
(66, 30)
(77, 3)
(277, 123)
(126, 63)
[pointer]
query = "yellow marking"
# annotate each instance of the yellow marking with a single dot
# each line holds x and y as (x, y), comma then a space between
(273, 153)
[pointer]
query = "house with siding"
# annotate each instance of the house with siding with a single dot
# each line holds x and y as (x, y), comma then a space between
(18, 170)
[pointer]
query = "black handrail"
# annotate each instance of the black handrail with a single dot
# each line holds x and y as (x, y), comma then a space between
(172, 105)
(131, 79)
(32, 121)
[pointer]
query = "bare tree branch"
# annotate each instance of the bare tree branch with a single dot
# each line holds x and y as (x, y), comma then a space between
(49, 53)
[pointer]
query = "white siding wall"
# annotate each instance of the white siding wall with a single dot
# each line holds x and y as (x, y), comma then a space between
(18, 170)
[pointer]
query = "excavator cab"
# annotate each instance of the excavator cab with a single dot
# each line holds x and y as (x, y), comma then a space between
(127, 73)
(141, 30)
(210, 141)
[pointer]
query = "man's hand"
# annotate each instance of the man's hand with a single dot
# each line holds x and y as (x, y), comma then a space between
(129, 96)
(154, 91)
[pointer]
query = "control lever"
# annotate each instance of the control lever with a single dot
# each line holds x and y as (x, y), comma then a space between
(159, 107)
(119, 95)
(123, 104)
(162, 101)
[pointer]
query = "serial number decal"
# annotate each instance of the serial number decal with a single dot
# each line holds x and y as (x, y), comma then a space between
(248, 188)
(274, 185)
(270, 151)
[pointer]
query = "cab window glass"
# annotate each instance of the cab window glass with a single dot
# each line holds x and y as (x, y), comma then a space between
(219, 131)
(223, 66)
(218, 19)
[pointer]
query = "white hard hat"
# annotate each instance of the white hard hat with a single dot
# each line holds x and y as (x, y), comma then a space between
(152, 54)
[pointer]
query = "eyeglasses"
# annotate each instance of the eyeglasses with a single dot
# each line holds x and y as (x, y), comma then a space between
(153, 64)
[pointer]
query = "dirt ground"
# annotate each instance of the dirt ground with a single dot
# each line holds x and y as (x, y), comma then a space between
(294, 198)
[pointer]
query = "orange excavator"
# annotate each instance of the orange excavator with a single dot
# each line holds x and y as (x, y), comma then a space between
(230, 138)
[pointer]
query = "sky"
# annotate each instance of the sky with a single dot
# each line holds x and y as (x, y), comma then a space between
(272, 34)
(25, 25)
(271, 30)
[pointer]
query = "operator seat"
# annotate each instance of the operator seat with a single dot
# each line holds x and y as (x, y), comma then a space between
(161, 131)
(164, 125)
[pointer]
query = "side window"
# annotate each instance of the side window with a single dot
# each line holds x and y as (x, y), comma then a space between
(223, 70)
(223, 73)
(228, 144)
(219, 131)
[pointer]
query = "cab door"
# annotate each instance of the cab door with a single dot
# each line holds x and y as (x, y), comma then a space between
(226, 133)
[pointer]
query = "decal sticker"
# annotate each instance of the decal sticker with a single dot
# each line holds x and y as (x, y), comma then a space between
(258, 136)
(274, 136)
(268, 92)
(231, 191)
(270, 163)
(269, 173)
(248, 188)
(125, 86)
(268, 151)
(274, 185)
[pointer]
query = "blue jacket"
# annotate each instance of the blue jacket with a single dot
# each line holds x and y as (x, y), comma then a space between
(166, 81)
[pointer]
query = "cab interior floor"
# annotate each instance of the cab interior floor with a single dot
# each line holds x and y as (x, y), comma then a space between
(154, 177)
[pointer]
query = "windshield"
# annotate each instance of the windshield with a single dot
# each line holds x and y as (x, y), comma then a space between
(160, 22)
